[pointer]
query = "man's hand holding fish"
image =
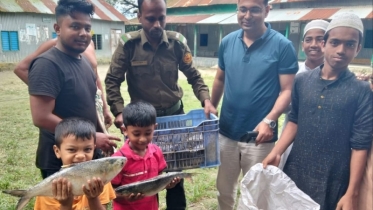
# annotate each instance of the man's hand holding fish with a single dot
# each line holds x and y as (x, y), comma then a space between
(173, 183)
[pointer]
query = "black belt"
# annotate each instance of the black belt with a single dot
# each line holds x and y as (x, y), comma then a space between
(169, 111)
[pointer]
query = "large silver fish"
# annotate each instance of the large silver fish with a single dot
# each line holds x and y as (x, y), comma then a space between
(78, 174)
(151, 186)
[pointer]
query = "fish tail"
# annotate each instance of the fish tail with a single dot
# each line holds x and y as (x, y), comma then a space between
(19, 193)
(188, 176)
(16, 193)
(190, 179)
(22, 203)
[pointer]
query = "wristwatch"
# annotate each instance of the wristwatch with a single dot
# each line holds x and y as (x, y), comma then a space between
(270, 123)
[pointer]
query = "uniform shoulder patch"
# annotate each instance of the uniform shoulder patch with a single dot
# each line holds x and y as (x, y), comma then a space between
(129, 36)
(176, 36)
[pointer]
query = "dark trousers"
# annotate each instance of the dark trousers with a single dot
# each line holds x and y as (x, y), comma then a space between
(175, 197)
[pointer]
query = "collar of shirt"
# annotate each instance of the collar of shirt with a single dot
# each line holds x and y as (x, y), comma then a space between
(264, 36)
(344, 75)
(144, 40)
(309, 69)
(130, 154)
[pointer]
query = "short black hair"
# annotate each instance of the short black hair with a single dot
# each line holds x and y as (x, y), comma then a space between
(139, 113)
(78, 127)
(68, 7)
(139, 4)
(326, 37)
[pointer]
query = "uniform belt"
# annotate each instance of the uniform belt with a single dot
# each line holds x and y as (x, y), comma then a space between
(169, 111)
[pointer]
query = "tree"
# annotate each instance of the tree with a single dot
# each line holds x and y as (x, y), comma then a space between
(126, 7)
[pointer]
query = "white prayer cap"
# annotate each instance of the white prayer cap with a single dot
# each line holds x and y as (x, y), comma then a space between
(346, 20)
(315, 24)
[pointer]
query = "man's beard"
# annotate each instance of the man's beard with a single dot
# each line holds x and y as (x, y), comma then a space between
(72, 49)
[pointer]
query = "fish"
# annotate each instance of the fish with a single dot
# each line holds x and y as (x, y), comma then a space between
(77, 174)
(151, 186)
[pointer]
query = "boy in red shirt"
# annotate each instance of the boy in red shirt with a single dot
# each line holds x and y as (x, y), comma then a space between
(144, 159)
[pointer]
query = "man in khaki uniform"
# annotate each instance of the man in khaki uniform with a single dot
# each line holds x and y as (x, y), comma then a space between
(150, 59)
(152, 74)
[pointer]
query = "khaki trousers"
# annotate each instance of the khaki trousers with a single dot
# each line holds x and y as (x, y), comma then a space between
(236, 157)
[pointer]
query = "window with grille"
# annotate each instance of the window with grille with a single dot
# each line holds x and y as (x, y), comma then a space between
(97, 40)
(368, 42)
(9, 41)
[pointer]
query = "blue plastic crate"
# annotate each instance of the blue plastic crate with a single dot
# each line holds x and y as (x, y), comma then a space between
(188, 140)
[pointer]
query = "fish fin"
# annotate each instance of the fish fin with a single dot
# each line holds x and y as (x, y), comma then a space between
(22, 203)
(19, 193)
(189, 176)
(16, 193)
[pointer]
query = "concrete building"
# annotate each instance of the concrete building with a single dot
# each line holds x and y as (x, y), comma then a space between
(205, 22)
(25, 24)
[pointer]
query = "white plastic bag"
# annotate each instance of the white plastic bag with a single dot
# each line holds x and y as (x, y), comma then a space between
(272, 189)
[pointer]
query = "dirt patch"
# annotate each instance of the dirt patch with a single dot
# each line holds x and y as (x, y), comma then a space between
(103, 61)
(102, 70)
(207, 204)
(7, 66)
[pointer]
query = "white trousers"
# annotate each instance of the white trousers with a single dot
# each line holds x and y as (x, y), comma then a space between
(236, 157)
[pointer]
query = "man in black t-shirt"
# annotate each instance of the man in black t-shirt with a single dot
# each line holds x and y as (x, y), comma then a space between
(62, 83)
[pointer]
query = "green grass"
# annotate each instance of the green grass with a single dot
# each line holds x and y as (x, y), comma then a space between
(19, 139)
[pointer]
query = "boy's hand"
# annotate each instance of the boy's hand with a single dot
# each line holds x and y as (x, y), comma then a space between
(133, 197)
(173, 183)
(62, 191)
(94, 188)
(271, 159)
(347, 202)
(107, 117)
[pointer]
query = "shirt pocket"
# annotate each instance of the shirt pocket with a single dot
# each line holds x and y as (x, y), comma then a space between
(169, 74)
(142, 71)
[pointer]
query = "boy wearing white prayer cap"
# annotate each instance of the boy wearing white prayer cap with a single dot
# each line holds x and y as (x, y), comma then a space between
(343, 40)
(342, 44)
(330, 123)
(313, 36)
